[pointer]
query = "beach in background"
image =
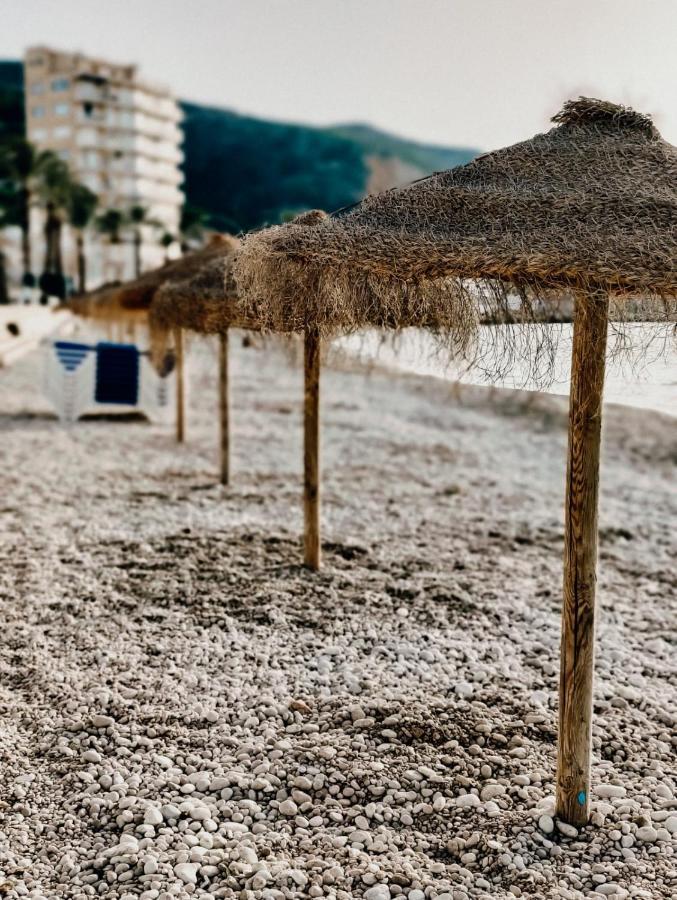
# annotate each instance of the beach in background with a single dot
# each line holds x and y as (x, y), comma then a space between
(161, 635)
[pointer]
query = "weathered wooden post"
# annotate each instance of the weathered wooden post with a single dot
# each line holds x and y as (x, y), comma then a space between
(180, 386)
(311, 453)
(580, 558)
(224, 404)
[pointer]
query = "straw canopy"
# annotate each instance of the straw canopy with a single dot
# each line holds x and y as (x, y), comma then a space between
(590, 205)
(97, 303)
(132, 300)
(205, 302)
(139, 294)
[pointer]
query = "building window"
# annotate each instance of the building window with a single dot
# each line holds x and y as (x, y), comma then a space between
(87, 136)
(65, 155)
(63, 131)
(38, 112)
(38, 134)
(61, 109)
(36, 61)
(60, 84)
(90, 159)
(38, 88)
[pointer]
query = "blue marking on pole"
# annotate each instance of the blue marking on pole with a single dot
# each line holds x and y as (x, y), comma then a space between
(581, 797)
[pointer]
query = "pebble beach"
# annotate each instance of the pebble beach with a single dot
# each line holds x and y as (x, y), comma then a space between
(186, 712)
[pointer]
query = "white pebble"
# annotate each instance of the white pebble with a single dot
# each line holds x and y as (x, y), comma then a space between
(99, 721)
(377, 892)
(567, 830)
(464, 690)
(467, 800)
(609, 791)
(490, 791)
(288, 807)
(187, 872)
(153, 816)
(671, 824)
(546, 824)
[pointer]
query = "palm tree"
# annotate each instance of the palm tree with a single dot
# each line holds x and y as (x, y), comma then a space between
(4, 294)
(138, 216)
(166, 241)
(82, 205)
(21, 168)
(194, 221)
(110, 224)
(10, 214)
(54, 187)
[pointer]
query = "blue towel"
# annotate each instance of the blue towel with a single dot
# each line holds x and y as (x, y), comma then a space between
(70, 355)
(117, 374)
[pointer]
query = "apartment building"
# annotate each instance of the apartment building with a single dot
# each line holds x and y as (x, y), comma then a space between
(120, 136)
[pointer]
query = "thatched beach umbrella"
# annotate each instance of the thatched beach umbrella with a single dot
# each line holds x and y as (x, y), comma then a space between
(139, 295)
(284, 295)
(100, 304)
(206, 303)
(130, 303)
(588, 208)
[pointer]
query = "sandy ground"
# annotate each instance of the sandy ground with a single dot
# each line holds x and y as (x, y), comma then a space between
(186, 712)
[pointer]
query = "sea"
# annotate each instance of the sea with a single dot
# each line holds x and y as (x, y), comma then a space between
(641, 361)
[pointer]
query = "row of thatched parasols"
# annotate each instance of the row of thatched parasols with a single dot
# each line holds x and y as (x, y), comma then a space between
(588, 210)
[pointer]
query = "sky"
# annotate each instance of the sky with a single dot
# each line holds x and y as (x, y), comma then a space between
(480, 73)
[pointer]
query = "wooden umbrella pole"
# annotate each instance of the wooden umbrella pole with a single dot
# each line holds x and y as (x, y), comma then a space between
(580, 558)
(224, 408)
(180, 386)
(311, 453)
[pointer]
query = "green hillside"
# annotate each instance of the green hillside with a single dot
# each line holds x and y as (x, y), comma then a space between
(11, 98)
(426, 157)
(247, 172)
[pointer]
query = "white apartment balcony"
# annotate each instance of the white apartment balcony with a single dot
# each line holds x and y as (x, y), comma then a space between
(160, 150)
(86, 91)
(123, 164)
(160, 107)
(88, 137)
(122, 119)
(157, 169)
(159, 129)
(156, 190)
(120, 142)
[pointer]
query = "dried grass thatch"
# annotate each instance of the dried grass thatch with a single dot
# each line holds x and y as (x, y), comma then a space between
(206, 302)
(589, 206)
(139, 294)
(95, 304)
(133, 299)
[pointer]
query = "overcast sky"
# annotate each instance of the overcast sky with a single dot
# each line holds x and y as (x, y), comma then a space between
(476, 72)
